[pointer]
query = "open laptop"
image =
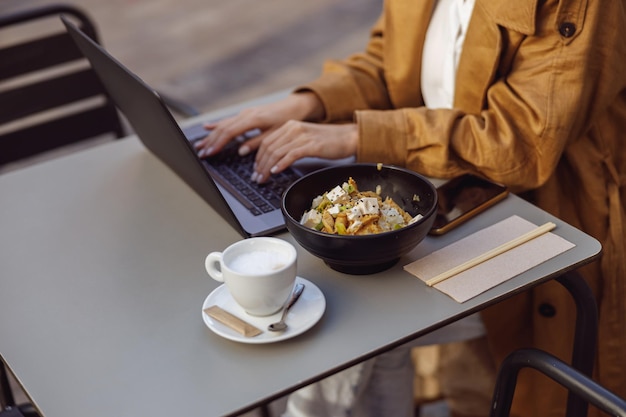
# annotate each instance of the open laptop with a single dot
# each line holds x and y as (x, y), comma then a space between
(223, 181)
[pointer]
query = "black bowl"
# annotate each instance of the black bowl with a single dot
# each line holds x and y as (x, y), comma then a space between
(364, 254)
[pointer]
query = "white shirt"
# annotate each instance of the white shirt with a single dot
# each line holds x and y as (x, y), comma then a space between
(442, 51)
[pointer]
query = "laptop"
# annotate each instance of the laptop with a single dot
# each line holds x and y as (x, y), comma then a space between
(222, 181)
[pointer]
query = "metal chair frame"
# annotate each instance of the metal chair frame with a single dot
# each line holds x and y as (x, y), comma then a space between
(576, 382)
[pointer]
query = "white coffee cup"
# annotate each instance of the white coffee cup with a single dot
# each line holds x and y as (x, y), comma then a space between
(259, 273)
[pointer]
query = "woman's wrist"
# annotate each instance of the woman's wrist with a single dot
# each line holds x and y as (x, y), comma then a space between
(309, 105)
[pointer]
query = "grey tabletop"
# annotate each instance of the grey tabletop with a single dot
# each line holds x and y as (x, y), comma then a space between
(102, 283)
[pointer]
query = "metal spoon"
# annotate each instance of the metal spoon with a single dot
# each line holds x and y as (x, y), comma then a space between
(281, 325)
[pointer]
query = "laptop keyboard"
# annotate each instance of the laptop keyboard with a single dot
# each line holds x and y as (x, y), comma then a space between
(236, 171)
(233, 172)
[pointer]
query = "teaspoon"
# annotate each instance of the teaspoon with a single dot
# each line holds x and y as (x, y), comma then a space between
(281, 325)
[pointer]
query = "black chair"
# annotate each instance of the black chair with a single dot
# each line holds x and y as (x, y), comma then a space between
(576, 382)
(51, 97)
(47, 78)
(8, 405)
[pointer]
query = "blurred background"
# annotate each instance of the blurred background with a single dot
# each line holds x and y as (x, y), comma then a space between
(213, 53)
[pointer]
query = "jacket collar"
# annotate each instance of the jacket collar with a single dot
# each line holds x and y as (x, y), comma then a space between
(518, 15)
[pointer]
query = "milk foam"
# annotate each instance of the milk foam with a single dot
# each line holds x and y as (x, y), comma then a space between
(258, 262)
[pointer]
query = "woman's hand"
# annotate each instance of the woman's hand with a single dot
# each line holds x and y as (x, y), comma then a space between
(266, 118)
(295, 140)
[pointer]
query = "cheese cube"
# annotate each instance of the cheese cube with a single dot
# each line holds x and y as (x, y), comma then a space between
(334, 210)
(392, 217)
(337, 195)
(366, 205)
(311, 219)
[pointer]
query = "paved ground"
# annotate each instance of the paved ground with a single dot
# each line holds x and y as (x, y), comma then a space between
(214, 52)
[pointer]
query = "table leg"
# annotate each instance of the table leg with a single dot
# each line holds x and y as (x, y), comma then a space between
(585, 337)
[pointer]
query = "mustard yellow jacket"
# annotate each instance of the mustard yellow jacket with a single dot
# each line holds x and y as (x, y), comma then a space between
(540, 105)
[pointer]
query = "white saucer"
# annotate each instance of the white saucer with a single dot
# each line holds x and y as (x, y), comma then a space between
(303, 315)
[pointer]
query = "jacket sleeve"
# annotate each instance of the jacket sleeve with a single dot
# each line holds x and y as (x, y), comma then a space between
(356, 83)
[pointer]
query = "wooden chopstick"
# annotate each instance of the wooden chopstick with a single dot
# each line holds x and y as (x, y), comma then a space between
(492, 253)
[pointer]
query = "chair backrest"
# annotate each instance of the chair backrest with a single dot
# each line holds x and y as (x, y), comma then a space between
(49, 96)
(577, 383)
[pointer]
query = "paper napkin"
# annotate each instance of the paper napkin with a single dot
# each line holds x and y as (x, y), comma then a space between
(480, 278)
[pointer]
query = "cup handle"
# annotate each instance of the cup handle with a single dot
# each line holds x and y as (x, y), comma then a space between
(212, 264)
